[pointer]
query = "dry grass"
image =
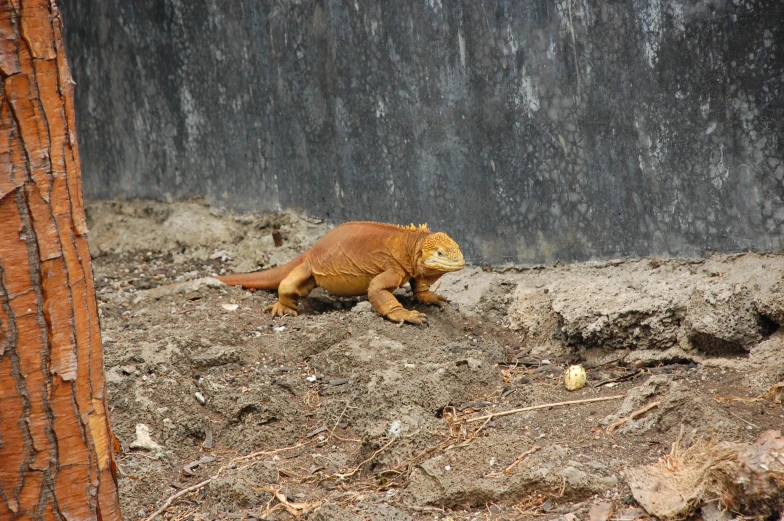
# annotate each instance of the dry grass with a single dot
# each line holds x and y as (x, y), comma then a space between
(741, 478)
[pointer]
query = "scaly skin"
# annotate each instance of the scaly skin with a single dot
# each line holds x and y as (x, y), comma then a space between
(363, 258)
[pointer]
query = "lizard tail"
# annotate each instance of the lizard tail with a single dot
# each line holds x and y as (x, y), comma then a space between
(267, 279)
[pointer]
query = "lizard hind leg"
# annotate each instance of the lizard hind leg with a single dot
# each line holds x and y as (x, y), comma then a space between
(297, 284)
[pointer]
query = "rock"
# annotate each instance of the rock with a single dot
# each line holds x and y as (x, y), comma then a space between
(466, 291)
(223, 255)
(395, 428)
(635, 399)
(718, 306)
(632, 514)
(472, 363)
(680, 407)
(383, 512)
(332, 512)
(574, 477)
(475, 477)
(214, 356)
(114, 375)
(191, 225)
(722, 320)
(144, 440)
(531, 313)
(280, 256)
(764, 366)
(234, 490)
(654, 357)
(638, 310)
(363, 307)
(189, 286)
(600, 512)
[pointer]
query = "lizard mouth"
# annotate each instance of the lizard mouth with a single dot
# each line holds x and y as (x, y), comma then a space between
(445, 264)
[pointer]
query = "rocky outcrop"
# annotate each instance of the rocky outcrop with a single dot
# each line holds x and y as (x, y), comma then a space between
(722, 306)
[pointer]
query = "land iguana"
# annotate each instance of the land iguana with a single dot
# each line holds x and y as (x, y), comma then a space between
(363, 258)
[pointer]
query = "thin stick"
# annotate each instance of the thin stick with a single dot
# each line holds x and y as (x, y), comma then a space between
(181, 493)
(619, 378)
(544, 406)
(741, 419)
(332, 431)
(518, 459)
(268, 452)
(468, 441)
(371, 458)
(199, 485)
(292, 508)
(639, 412)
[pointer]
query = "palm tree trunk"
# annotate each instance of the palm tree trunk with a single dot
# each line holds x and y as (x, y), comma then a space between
(56, 452)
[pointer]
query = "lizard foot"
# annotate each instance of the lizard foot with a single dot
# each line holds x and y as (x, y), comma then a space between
(281, 310)
(404, 315)
(428, 297)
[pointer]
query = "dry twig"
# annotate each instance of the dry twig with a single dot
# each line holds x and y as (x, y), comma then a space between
(181, 493)
(621, 378)
(532, 503)
(639, 412)
(294, 508)
(747, 422)
(205, 482)
(543, 406)
(519, 459)
(774, 394)
(371, 458)
(776, 391)
(185, 514)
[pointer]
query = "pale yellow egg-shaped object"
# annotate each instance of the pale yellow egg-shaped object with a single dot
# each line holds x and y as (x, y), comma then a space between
(574, 378)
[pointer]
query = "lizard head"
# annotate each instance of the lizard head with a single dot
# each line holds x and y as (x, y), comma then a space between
(441, 254)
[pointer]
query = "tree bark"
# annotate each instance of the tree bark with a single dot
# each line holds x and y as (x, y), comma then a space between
(56, 451)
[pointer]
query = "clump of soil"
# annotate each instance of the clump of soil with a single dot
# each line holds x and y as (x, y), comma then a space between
(339, 414)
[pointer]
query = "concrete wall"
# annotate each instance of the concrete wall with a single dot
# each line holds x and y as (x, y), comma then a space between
(530, 130)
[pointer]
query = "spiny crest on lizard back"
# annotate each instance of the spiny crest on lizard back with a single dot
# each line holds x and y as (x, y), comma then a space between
(411, 227)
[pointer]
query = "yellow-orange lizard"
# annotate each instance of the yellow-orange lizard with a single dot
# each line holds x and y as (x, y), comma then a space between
(363, 258)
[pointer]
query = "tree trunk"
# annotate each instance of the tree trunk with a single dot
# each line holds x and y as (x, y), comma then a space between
(56, 452)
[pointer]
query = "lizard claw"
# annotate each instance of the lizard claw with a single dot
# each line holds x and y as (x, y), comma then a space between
(404, 315)
(281, 310)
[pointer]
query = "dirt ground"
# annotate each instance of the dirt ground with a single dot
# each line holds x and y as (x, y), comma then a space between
(338, 414)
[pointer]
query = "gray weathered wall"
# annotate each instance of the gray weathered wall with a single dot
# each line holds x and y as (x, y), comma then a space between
(529, 130)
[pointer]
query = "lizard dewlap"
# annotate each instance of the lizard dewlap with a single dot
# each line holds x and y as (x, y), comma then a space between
(574, 378)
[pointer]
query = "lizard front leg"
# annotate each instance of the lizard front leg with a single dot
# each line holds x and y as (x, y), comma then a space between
(298, 283)
(381, 297)
(422, 293)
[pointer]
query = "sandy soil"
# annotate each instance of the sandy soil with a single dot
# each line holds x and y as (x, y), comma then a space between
(339, 414)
